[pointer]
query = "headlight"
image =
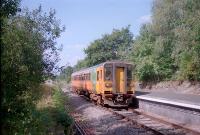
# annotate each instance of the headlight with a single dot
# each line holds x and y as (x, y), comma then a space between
(108, 84)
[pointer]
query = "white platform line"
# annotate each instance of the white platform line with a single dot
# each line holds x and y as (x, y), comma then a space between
(170, 102)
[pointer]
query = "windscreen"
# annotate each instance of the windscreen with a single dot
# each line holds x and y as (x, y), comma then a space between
(108, 72)
(129, 72)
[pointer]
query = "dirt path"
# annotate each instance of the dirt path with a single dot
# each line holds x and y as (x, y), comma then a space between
(96, 120)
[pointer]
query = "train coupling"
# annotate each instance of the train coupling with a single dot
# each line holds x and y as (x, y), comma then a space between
(119, 98)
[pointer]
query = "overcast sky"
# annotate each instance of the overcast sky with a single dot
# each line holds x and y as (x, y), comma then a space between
(87, 20)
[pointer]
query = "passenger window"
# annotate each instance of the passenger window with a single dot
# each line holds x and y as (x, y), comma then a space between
(97, 75)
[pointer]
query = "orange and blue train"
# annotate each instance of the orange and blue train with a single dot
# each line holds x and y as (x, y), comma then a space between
(109, 83)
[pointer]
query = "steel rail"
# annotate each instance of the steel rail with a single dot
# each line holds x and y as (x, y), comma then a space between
(154, 130)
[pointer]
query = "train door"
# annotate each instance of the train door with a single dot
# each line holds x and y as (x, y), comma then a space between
(120, 81)
(99, 80)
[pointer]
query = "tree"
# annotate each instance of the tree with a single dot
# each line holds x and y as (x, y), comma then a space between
(114, 46)
(29, 55)
(80, 65)
(176, 24)
(142, 55)
(9, 8)
(65, 73)
(170, 44)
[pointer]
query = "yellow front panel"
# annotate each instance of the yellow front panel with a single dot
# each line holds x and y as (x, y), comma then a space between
(120, 87)
(99, 84)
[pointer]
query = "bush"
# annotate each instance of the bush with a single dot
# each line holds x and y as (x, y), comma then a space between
(26, 39)
(62, 116)
(147, 71)
(51, 111)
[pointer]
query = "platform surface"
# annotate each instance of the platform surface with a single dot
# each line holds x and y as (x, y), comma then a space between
(170, 96)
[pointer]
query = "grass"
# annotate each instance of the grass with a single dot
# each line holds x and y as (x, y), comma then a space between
(52, 112)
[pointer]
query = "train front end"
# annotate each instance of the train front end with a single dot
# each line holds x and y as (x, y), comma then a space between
(119, 86)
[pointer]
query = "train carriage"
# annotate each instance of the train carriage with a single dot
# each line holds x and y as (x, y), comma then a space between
(109, 83)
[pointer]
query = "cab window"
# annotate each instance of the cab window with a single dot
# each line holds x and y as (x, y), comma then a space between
(108, 72)
(129, 73)
(100, 74)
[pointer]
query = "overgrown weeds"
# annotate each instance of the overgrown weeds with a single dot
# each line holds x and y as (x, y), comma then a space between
(52, 112)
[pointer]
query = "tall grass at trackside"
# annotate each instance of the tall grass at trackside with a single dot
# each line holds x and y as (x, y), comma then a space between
(53, 115)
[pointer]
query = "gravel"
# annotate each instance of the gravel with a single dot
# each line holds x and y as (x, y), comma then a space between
(99, 121)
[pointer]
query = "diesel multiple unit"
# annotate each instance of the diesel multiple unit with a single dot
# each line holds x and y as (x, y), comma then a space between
(109, 83)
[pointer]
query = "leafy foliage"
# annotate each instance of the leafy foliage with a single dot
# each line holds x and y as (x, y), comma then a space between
(168, 48)
(9, 8)
(65, 74)
(28, 56)
(80, 65)
(51, 112)
(59, 101)
(114, 46)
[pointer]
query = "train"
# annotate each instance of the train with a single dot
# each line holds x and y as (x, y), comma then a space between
(108, 84)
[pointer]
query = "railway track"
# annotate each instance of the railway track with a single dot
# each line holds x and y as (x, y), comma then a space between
(81, 127)
(150, 124)
(156, 125)
(111, 120)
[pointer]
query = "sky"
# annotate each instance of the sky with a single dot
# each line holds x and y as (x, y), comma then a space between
(87, 20)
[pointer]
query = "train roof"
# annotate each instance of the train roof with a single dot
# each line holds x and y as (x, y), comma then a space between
(87, 70)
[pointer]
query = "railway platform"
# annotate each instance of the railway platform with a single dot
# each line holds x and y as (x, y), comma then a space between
(181, 109)
(184, 100)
